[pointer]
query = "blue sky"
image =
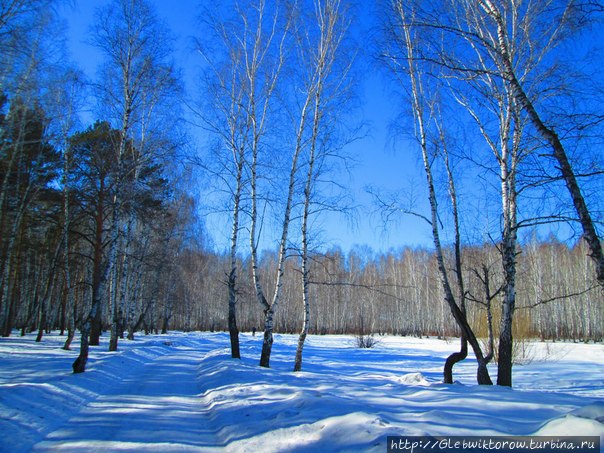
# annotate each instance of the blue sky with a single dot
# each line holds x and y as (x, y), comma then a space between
(378, 163)
(381, 163)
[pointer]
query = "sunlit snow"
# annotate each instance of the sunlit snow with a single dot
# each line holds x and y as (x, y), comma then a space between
(183, 392)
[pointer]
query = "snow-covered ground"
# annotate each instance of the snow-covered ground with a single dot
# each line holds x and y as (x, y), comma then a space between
(182, 392)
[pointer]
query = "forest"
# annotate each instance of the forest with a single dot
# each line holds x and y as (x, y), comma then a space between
(102, 221)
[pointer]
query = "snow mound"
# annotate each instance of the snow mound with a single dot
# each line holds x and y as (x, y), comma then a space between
(585, 421)
(593, 411)
(413, 379)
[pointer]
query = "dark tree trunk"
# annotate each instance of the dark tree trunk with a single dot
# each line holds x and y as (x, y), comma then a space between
(63, 317)
(41, 323)
(69, 339)
(233, 330)
(482, 375)
(453, 359)
(234, 334)
(165, 323)
(505, 355)
(79, 366)
(10, 317)
(267, 342)
(97, 271)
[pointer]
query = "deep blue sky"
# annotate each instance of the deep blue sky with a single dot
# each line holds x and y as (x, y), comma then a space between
(378, 164)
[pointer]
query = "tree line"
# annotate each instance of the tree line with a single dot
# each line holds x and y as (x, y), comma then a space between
(100, 227)
(397, 293)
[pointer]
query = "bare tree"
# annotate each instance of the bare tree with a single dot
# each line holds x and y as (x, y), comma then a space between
(423, 108)
(325, 84)
(503, 50)
(136, 74)
(224, 115)
(497, 42)
(509, 151)
(264, 42)
(456, 357)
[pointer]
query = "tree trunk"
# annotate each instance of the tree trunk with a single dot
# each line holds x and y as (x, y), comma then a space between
(463, 353)
(300, 347)
(233, 330)
(453, 359)
(232, 284)
(79, 366)
(94, 329)
(70, 335)
(41, 321)
(6, 282)
(505, 358)
(305, 303)
(165, 324)
(113, 339)
(9, 308)
(267, 342)
(48, 288)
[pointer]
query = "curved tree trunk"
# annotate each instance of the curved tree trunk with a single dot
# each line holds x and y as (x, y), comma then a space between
(418, 105)
(454, 358)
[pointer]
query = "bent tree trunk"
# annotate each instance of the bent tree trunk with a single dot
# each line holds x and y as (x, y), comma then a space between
(482, 374)
(454, 358)
(418, 105)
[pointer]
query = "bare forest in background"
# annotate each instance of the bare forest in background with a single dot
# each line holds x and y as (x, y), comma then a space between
(360, 292)
(396, 293)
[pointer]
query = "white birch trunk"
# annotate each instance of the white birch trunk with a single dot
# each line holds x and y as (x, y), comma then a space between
(418, 104)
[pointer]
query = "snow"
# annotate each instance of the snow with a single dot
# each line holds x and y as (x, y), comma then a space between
(183, 392)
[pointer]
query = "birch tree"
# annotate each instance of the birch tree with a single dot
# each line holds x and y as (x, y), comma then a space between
(223, 113)
(326, 86)
(406, 65)
(245, 65)
(264, 31)
(502, 50)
